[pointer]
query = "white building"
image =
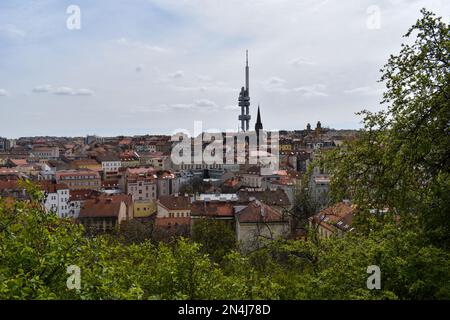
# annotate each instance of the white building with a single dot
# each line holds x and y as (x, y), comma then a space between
(110, 164)
(45, 153)
(57, 199)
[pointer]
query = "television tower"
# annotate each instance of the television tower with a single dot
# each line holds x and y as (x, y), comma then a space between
(244, 100)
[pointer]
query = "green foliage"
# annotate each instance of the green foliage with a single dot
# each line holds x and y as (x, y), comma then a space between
(216, 237)
(400, 161)
(304, 206)
(36, 248)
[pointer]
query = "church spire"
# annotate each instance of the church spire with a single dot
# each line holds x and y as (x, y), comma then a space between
(258, 124)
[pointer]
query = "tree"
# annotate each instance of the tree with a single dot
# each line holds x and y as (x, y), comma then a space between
(400, 161)
(216, 237)
(304, 205)
(135, 231)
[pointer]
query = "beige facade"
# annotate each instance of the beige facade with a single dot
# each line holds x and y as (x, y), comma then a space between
(79, 179)
(251, 234)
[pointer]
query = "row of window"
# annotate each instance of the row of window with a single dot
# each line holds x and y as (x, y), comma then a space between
(178, 214)
(200, 166)
(114, 164)
(78, 177)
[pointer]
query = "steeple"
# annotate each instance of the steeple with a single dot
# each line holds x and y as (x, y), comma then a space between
(258, 124)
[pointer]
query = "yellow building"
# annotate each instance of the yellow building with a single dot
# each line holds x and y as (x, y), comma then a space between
(144, 209)
(89, 164)
(285, 147)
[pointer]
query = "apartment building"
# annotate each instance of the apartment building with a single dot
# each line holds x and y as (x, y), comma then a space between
(57, 196)
(45, 153)
(79, 179)
(141, 184)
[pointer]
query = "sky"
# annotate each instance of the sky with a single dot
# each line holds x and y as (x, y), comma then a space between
(154, 66)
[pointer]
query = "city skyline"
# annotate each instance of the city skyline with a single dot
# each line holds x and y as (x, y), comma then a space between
(157, 66)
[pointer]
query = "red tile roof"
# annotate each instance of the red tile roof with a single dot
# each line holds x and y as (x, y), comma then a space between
(175, 202)
(80, 195)
(9, 185)
(96, 208)
(212, 209)
(19, 162)
(271, 197)
(259, 212)
(50, 187)
(338, 216)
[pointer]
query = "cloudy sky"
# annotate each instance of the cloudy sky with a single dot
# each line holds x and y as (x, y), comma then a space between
(152, 66)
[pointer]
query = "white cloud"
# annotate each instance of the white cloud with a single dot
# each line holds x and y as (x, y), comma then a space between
(274, 84)
(200, 105)
(12, 31)
(232, 107)
(316, 90)
(210, 88)
(3, 93)
(301, 61)
(139, 45)
(277, 84)
(205, 78)
(63, 91)
(83, 92)
(42, 88)
(366, 90)
(205, 104)
(176, 75)
(67, 91)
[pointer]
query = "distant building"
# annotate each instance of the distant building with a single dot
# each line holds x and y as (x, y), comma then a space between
(105, 213)
(90, 164)
(77, 199)
(57, 198)
(257, 222)
(167, 183)
(11, 188)
(93, 139)
(319, 186)
(45, 153)
(129, 159)
(156, 160)
(173, 216)
(79, 179)
(174, 206)
(252, 177)
(6, 144)
(334, 220)
(141, 184)
(110, 164)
